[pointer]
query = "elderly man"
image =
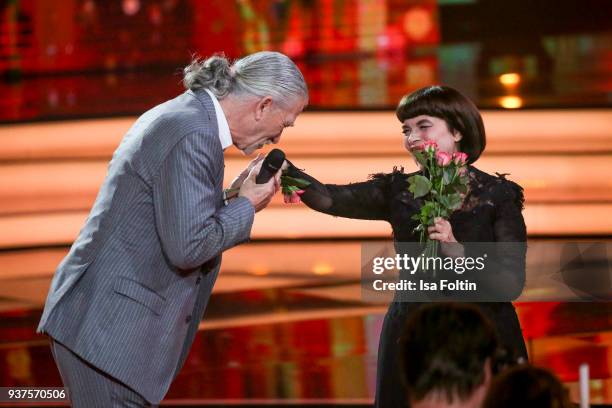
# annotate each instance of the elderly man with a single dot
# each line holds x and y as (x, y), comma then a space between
(125, 304)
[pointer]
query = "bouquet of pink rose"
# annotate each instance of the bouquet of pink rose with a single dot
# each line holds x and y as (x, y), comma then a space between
(443, 184)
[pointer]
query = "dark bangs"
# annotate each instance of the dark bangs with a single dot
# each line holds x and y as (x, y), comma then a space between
(459, 113)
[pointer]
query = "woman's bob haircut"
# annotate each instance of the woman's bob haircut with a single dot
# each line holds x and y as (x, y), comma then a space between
(459, 113)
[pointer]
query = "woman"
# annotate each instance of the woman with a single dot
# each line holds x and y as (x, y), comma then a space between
(491, 212)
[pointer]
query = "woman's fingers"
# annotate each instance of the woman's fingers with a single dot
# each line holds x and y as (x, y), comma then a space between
(439, 225)
(437, 236)
(441, 230)
(441, 221)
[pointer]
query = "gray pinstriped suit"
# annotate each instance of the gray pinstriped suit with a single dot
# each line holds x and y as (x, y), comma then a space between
(129, 295)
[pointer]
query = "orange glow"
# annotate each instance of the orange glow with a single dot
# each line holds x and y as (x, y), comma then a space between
(259, 270)
(510, 79)
(322, 269)
(511, 102)
(324, 134)
(418, 22)
(315, 133)
(47, 184)
(44, 187)
(541, 219)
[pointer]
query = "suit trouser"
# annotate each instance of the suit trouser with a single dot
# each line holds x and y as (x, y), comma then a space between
(88, 387)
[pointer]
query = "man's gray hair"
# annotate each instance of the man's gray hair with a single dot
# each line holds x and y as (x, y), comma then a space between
(260, 74)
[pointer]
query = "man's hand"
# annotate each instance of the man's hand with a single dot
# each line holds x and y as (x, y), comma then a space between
(237, 182)
(259, 195)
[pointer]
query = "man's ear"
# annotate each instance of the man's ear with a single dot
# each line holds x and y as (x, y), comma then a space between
(262, 107)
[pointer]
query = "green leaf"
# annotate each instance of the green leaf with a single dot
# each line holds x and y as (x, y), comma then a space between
(427, 212)
(461, 188)
(448, 175)
(287, 181)
(420, 157)
(419, 185)
(444, 201)
(454, 201)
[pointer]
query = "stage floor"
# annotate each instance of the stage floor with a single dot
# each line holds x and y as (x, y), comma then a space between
(287, 323)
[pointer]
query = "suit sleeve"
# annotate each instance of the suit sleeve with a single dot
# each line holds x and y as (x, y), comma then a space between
(191, 229)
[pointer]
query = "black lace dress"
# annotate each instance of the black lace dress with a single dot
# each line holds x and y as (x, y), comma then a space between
(491, 213)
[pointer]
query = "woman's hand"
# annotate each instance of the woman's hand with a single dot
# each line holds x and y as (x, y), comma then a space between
(285, 166)
(443, 232)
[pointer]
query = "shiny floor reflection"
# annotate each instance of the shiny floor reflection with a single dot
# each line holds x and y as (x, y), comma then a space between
(292, 333)
(331, 359)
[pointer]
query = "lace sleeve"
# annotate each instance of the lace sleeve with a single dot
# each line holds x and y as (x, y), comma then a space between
(509, 223)
(511, 236)
(366, 200)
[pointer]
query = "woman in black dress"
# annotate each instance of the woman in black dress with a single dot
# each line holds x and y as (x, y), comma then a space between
(491, 212)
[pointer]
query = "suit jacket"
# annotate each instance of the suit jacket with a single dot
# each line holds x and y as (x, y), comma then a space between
(130, 294)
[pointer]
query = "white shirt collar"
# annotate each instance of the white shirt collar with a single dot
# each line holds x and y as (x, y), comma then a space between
(224, 131)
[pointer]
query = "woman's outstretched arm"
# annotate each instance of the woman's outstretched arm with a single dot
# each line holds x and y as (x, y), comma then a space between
(366, 200)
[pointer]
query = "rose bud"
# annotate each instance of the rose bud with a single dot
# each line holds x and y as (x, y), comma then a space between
(460, 157)
(430, 146)
(295, 198)
(443, 159)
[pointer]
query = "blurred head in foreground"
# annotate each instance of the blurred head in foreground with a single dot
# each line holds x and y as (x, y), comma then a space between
(447, 356)
(526, 386)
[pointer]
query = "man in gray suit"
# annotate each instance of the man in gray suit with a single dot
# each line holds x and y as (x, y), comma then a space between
(125, 304)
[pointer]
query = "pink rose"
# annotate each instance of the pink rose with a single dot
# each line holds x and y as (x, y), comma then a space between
(443, 158)
(430, 145)
(460, 157)
(294, 197)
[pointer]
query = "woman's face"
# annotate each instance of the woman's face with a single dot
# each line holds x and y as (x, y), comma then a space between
(425, 128)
